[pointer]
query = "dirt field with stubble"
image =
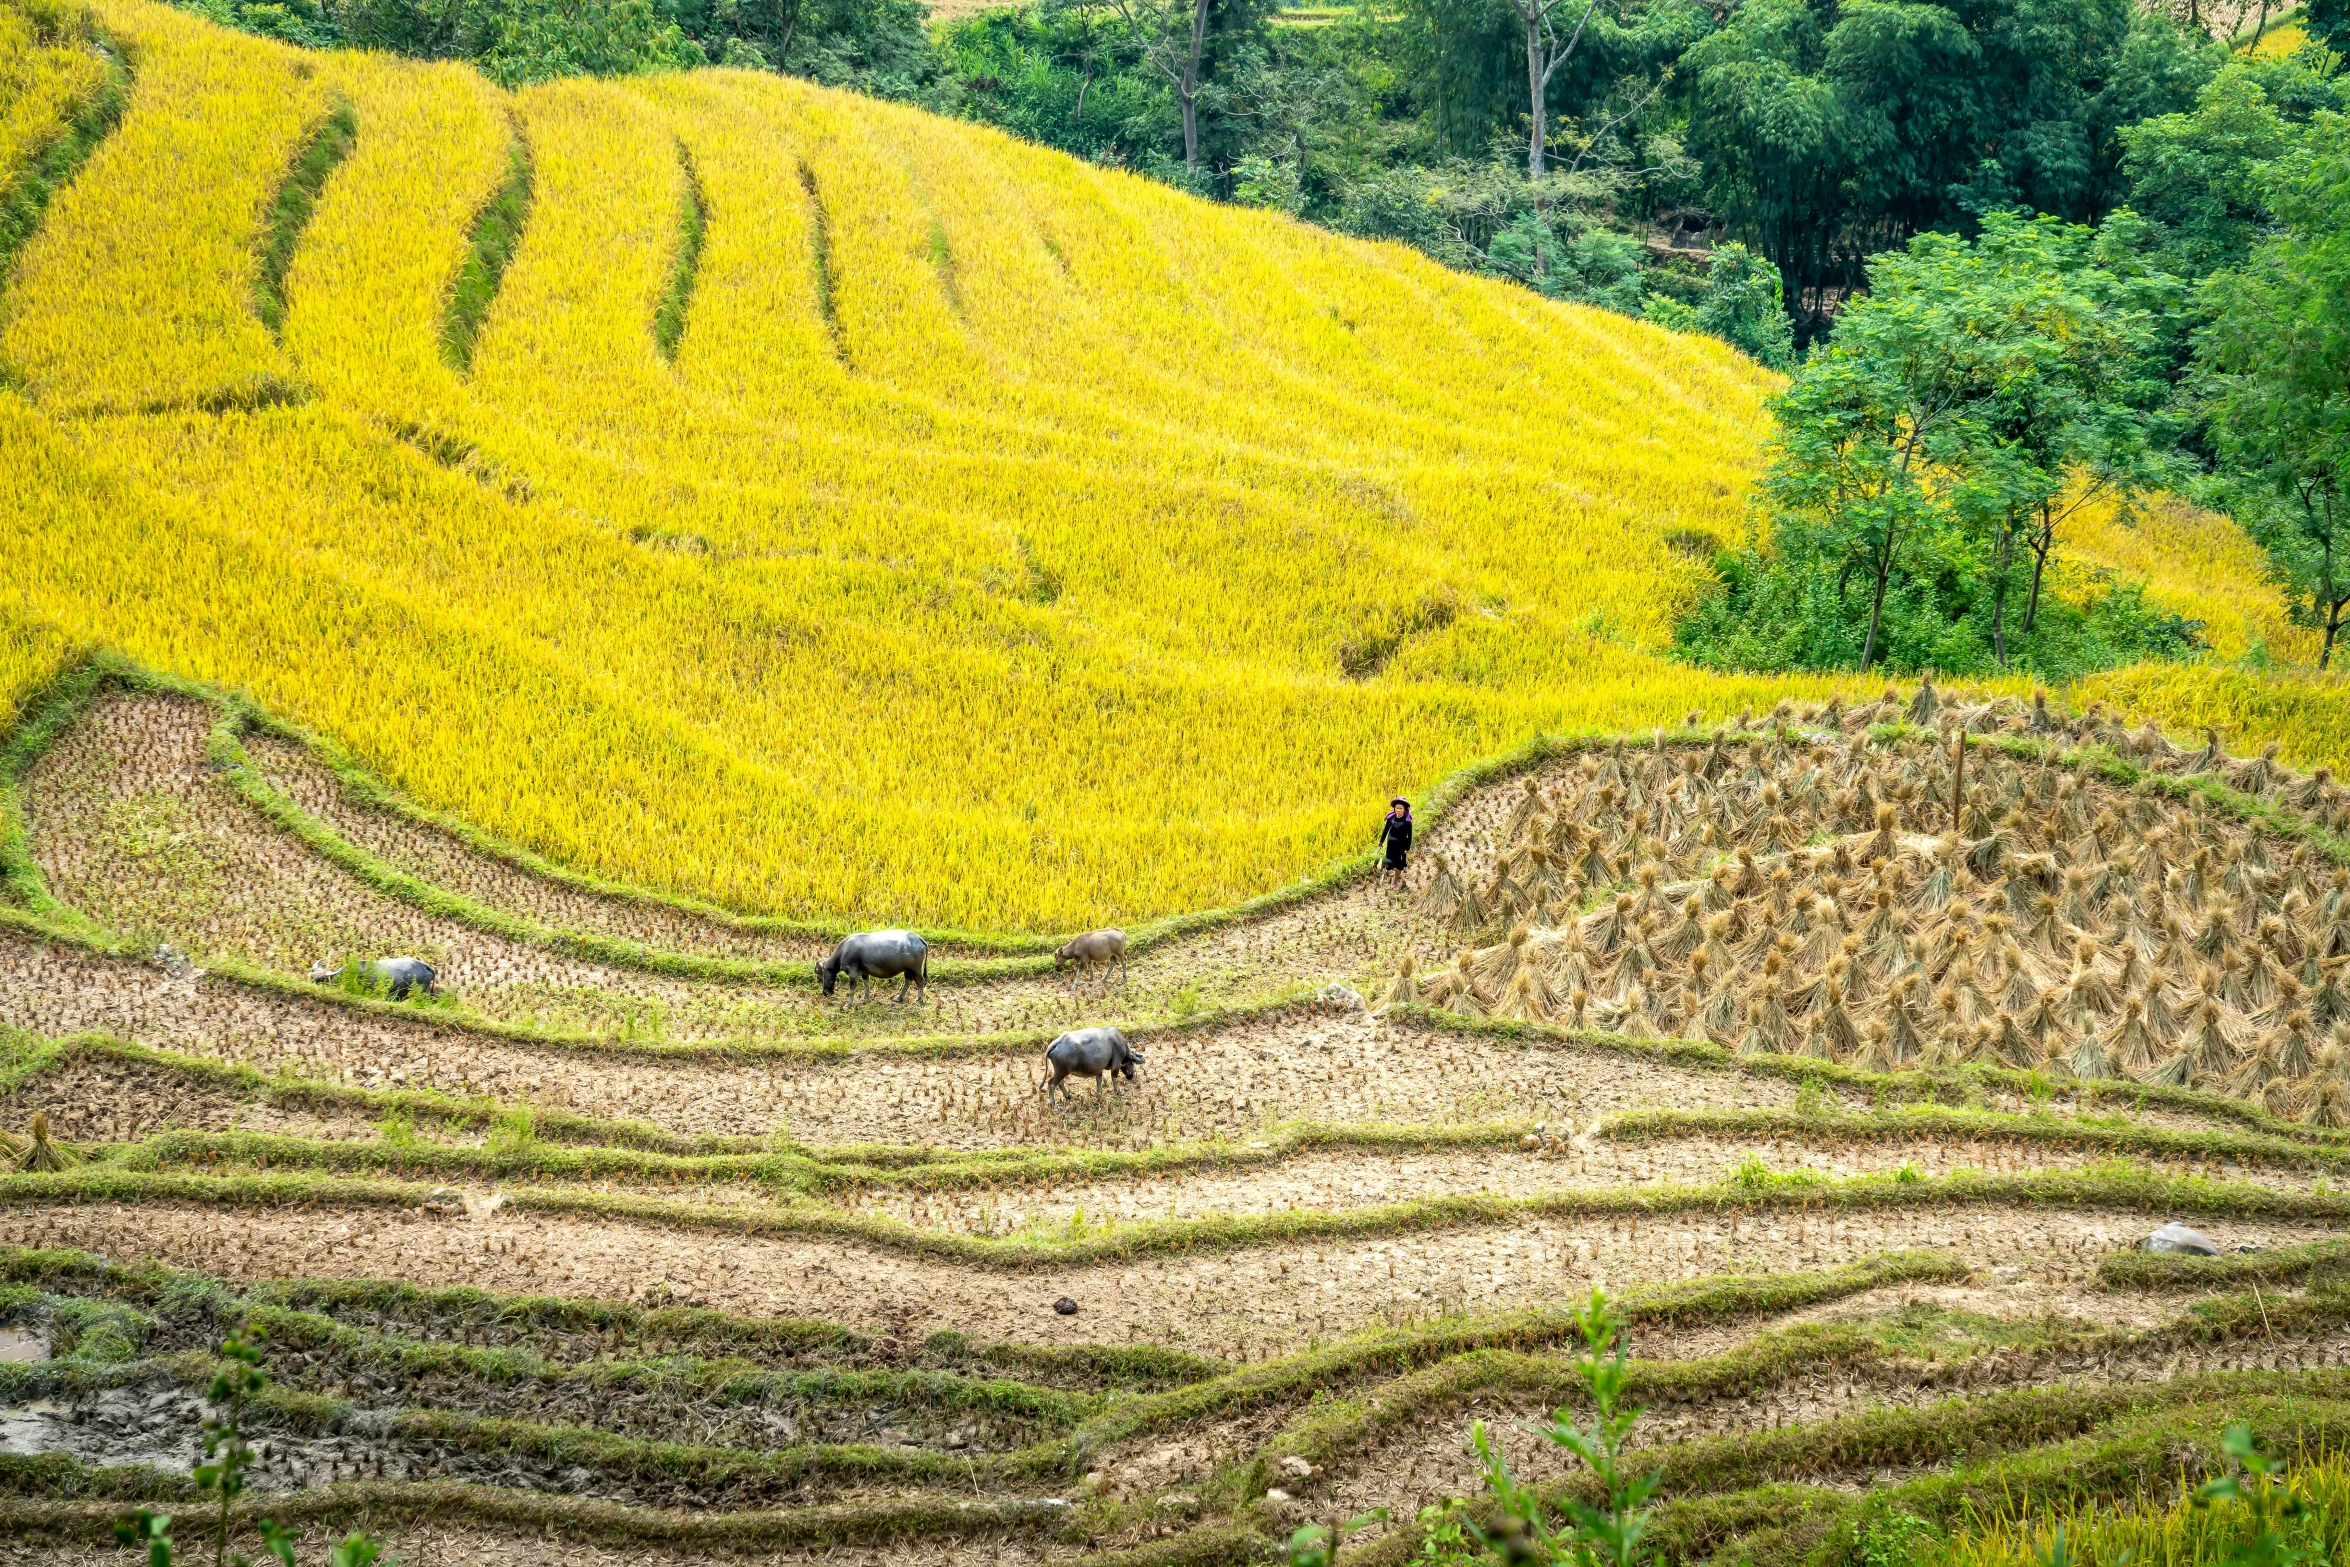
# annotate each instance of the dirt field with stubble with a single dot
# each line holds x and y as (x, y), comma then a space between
(910, 1283)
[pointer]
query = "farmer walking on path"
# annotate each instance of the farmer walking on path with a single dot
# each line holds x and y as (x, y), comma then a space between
(1395, 835)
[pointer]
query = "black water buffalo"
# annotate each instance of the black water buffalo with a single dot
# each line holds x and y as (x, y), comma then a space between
(397, 976)
(1088, 1052)
(879, 954)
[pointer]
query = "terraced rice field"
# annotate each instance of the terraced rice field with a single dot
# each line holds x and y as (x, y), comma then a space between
(631, 1246)
(1030, 546)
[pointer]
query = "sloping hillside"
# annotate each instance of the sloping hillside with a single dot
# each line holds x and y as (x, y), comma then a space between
(828, 508)
(994, 545)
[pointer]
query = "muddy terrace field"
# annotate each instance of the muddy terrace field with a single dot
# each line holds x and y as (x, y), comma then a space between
(630, 1246)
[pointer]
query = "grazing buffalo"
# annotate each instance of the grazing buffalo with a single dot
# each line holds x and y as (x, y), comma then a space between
(1095, 949)
(1088, 1052)
(395, 976)
(879, 954)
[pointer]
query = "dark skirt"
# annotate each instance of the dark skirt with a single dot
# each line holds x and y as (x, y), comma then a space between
(1395, 854)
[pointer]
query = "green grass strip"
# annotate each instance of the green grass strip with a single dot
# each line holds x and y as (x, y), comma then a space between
(1388, 1351)
(728, 1381)
(297, 198)
(817, 1168)
(815, 1173)
(52, 167)
(1961, 1086)
(718, 1474)
(2314, 1264)
(2007, 1449)
(2116, 1188)
(2164, 1444)
(1332, 1430)
(1920, 1122)
(692, 218)
(535, 1159)
(45, 719)
(1951, 1431)
(380, 1503)
(496, 234)
(463, 1308)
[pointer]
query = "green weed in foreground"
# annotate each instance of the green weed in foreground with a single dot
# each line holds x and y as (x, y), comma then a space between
(222, 1474)
(1531, 1528)
(2252, 1517)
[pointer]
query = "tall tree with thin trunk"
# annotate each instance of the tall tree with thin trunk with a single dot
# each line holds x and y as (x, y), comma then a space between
(1172, 35)
(1979, 392)
(1545, 53)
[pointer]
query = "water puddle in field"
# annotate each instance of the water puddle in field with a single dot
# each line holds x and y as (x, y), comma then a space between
(18, 1345)
(153, 1423)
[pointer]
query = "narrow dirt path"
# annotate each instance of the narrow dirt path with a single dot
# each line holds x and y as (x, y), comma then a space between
(1234, 1081)
(131, 824)
(1329, 1181)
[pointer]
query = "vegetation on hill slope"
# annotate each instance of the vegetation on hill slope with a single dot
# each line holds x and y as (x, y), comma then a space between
(1012, 578)
(1045, 547)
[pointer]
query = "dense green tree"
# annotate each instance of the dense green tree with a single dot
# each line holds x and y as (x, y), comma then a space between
(1969, 400)
(1746, 306)
(2276, 378)
(1832, 131)
(1741, 303)
(1062, 75)
(1469, 68)
(2195, 175)
(2328, 23)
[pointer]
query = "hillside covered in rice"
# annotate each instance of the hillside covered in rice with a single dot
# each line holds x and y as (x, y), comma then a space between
(770, 495)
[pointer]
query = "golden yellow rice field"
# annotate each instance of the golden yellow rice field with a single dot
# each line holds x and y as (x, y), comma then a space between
(1009, 542)
(46, 66)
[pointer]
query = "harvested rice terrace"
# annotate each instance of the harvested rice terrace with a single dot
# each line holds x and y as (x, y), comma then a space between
(634, 1239)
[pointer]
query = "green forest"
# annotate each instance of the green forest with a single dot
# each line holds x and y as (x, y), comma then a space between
(2020, 256)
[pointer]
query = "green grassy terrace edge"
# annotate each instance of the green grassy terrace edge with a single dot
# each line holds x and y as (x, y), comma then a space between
(52, 167)
(148, 1282)
(490, 242)
(565, 1143)
(728, 1381)
(2111, 1189)
(1949, 1086)
(1754, 1496)
(323, 149)
(69, 928)
(368, 789)
(692, 219)
(2314, 1263)
(800, 1170)
(1119, 1418)
(1929, 1121)
(1331, 1430)
(378, 1503)
(737, 1474)
(44, 717)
